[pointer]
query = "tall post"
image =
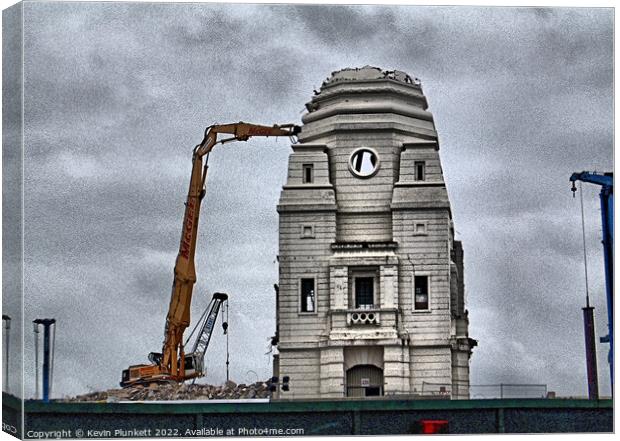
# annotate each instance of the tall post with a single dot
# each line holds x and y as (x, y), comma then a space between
(36, 359)
(47, 323)
(46, 363)
(588, 325)
(7, 328)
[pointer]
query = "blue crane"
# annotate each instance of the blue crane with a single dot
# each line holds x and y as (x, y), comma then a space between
(606, 181)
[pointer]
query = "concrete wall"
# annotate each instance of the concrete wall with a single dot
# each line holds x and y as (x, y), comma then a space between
(369, 417)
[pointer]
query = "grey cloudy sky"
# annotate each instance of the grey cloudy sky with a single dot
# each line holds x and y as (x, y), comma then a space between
(116, 95)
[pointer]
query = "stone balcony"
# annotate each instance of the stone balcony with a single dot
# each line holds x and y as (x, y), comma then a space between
(364, 316)
(361, 325)
(372, 316)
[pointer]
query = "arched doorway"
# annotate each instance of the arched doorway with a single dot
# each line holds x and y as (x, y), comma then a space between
(364, 381)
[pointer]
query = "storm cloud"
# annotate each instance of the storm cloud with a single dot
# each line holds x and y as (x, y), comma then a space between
(117, 94)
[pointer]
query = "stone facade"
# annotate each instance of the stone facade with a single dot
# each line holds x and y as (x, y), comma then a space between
(371, 297)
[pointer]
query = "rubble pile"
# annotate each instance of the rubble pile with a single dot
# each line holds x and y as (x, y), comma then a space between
(164, 392)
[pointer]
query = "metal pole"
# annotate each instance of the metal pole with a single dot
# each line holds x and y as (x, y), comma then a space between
(46, 363)
(47, 323)
(53, 351)
(36, 360)
(588, 324)
(7, 328)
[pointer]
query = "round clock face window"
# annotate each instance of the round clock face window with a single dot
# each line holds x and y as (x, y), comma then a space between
(364, 162)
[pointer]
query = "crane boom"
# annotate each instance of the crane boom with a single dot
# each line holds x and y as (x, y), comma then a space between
(606, 181)
(206, 329)
(169, 365)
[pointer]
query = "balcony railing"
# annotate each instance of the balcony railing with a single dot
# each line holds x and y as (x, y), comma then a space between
(369, 315)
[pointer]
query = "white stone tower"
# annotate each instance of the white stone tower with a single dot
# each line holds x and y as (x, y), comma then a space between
(371, 295)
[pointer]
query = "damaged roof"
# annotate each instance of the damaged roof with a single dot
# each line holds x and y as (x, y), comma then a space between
(369, 73)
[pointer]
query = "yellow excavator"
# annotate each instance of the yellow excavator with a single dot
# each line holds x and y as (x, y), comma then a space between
(172, 364)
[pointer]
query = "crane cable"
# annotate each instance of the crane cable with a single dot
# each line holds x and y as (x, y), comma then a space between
(199, 322)
(225, 326)
(585, 256)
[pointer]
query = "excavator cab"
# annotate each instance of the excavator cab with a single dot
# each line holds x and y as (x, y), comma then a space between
(125, 378)
(151, 373)
(194, 365)
(136, 375)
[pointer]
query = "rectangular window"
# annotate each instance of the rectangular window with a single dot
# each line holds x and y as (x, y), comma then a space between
(420, 294)
(308, 298)
(420, 228)
(308, 177)
(364, 292)
(420, 170)
(307, 231)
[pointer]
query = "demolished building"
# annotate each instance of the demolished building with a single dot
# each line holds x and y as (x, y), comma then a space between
(371, 297)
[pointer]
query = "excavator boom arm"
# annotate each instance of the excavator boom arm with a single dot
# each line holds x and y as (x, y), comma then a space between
(178, 316)
(241, 132)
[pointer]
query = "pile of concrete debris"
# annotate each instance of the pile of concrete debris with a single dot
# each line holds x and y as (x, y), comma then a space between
(163, 392)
